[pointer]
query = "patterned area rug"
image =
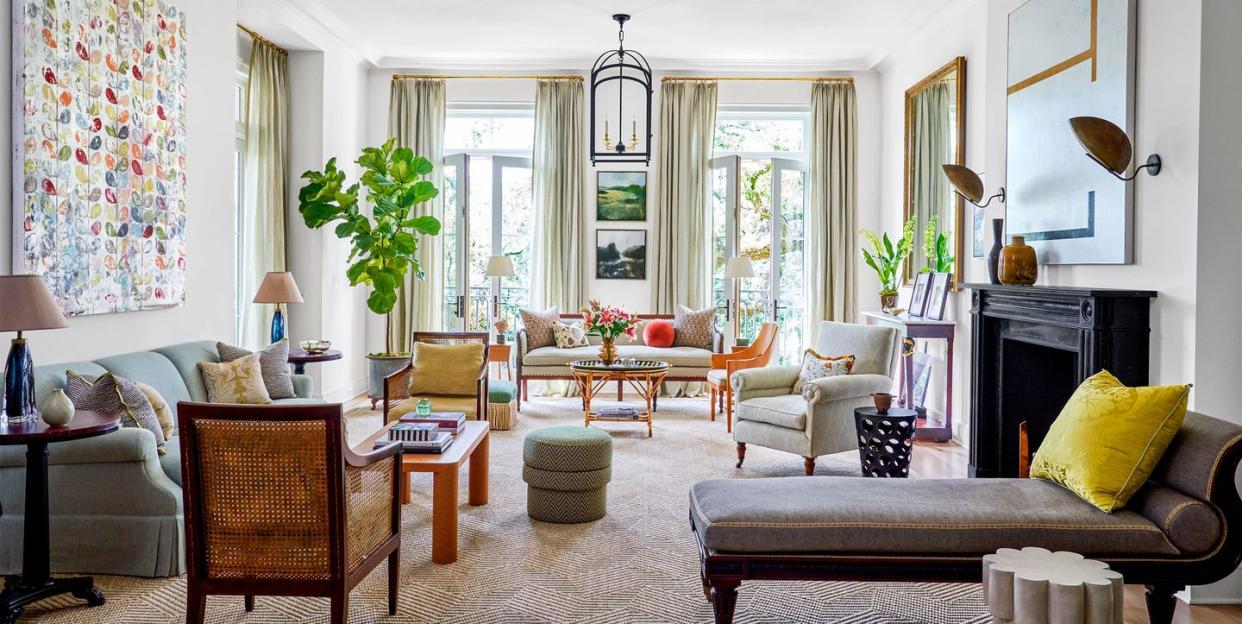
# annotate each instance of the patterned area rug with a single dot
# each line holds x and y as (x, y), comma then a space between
(637, 565)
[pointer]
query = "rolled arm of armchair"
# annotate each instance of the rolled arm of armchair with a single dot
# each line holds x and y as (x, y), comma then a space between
(763, 382)
(845, 387)
(523, 341)
(128, 444)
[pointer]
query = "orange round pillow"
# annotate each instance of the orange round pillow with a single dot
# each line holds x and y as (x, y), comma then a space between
(659, 333)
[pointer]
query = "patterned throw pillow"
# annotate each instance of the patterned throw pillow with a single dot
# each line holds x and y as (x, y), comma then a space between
(570, 335)
(239, 381)
(274, 361)
(163, 413)
(539, 332)
(118, 396)
(693, 329)
(816, 366)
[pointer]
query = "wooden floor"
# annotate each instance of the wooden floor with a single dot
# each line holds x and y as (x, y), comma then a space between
(949, 461)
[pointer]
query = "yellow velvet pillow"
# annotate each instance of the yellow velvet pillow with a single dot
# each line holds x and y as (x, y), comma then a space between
(451, 369)
(1109, 438)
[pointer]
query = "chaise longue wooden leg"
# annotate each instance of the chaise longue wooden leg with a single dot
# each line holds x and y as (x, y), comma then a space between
(741, 454)
(1161, 603)
(808, 464)
(724, 600)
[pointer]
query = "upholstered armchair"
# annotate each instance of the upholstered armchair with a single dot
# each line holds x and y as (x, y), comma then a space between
(277, 504)
(756, 355)
(820, 421)
(447, 368)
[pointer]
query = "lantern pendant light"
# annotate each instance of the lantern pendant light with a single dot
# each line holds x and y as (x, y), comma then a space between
(632, 75)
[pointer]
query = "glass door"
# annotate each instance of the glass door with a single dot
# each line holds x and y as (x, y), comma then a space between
(453, 235)
(788, 279)
(512, 233)
(724, 236)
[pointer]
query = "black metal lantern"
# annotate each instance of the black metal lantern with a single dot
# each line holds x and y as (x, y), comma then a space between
(632, 74)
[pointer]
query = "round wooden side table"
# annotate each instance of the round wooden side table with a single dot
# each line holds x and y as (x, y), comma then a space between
(885, 440)
(35, 582)
(299, 358)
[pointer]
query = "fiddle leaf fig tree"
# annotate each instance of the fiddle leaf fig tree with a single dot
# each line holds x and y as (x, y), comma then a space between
(383, 245)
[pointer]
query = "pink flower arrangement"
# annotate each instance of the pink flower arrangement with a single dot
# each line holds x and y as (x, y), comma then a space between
(609, 322)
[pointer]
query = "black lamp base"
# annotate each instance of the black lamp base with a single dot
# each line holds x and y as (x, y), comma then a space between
(19, 394)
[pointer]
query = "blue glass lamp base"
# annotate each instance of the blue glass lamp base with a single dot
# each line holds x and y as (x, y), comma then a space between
(19, 394)
(278, 326)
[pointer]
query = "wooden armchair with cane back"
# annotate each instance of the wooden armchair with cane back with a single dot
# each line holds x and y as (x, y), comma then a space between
(449, 369)
(276, 504)
(756, 355)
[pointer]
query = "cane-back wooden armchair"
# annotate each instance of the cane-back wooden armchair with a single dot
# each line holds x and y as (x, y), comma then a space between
(276, 504)
(447, 368)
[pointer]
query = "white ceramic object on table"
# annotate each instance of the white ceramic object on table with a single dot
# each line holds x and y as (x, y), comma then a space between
(1037, 586)
(57, 410)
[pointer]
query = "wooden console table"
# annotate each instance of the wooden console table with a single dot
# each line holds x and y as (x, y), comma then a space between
(913, 327)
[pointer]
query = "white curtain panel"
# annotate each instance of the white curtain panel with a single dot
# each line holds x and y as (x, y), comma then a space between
(416, 115)
(559, 170)
(932, 147)
(681, 238)
(832, 216)
(263, 214)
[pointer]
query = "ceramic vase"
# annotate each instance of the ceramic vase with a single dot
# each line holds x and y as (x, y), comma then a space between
(883, 401)
(1018, 264)
(608, 351)
(998, 230)
(58, 409)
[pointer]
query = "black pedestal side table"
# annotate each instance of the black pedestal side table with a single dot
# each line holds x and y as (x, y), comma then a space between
(885, 440)
(35, 582)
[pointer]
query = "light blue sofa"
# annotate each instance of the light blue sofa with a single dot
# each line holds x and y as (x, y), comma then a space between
(115, 502)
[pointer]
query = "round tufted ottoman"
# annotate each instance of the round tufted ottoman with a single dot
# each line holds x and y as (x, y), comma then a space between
(567, 470)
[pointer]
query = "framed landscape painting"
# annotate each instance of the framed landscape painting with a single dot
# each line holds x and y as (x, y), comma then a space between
(621, 196)
(621, 254)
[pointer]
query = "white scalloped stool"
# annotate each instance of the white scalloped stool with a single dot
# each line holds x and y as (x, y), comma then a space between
(1037, 586)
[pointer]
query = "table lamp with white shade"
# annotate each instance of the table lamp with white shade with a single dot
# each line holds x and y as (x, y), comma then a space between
(737, 267)
(497, 268)
(25, 304)
(278, 287)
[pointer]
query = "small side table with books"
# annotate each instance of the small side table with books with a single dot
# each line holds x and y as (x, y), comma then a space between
(470, 443)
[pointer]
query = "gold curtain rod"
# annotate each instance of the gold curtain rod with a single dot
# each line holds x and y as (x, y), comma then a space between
(488, 76)
(763, 78)
(260, 38)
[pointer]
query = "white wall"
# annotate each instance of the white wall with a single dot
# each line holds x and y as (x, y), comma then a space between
(208, 310)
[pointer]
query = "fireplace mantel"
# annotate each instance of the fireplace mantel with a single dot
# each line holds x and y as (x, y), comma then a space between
(1032, 345)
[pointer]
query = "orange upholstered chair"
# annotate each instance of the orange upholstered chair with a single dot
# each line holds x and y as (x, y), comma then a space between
(755, 355)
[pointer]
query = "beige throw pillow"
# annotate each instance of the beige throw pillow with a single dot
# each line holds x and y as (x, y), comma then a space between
(118, 396)
(539, 327)
(451, 369)
(693, 329)
(816, 366)
(273, 360)
(570, 335)
(239, 381)
(163, 413)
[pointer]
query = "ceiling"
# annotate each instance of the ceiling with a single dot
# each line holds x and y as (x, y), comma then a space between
(672, 34)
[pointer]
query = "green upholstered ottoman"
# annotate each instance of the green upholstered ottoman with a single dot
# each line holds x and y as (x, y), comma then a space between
(567, 470)
(501, 394)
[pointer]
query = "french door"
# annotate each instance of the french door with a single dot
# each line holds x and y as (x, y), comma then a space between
(758, 210)
(488, 212)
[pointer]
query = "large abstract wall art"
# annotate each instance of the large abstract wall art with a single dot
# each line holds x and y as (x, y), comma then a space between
(99, 207)
(1068, 58)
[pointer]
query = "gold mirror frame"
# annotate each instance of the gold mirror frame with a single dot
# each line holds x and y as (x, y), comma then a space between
(956, 65)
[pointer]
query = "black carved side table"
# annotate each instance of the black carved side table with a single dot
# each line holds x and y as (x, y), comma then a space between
(885, 441)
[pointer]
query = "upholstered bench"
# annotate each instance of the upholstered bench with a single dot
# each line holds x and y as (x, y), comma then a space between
(501, 399)
(567, 470)
(1181, 529)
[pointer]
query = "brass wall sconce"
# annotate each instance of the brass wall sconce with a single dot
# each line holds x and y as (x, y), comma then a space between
(1109, 146)
(967, 184)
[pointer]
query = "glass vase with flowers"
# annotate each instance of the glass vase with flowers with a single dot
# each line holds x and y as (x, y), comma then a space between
(609, 323)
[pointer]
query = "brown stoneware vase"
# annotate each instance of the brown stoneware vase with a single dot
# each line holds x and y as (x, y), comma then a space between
(1018, 264)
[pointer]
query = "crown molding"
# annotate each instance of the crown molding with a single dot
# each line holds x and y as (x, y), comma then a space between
(313, 13)
(659, 64)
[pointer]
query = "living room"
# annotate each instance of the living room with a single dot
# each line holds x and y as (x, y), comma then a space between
(681, 260)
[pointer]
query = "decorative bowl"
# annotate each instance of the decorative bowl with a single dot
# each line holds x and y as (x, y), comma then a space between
(315, 347)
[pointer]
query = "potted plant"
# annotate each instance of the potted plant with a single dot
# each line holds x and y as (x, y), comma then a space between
(384, 244)
(887, 259)
(609, 323)
(936, 246)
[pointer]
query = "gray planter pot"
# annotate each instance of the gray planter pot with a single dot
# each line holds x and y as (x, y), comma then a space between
(379, 367)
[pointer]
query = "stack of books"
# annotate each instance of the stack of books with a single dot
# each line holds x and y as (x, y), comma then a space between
(448, 422)
(418, 438)
(617, 412)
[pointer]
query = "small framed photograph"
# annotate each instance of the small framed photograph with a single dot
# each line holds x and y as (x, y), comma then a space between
(621, 196)
(621, 254)
(918, 296)
(937, 296)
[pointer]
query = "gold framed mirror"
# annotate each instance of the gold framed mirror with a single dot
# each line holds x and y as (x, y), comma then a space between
(935, 134)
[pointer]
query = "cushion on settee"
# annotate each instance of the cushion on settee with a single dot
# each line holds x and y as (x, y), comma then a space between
(675, 356)
(842, 515)
(659, 333)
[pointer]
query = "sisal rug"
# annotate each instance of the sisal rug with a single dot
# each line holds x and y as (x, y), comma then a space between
(637, 565)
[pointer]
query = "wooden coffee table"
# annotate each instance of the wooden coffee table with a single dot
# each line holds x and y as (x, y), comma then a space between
(644, 376)
(471, 443)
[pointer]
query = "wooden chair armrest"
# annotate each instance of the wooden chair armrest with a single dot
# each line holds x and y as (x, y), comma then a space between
(736, 364)
(397, 388)
(362, 460)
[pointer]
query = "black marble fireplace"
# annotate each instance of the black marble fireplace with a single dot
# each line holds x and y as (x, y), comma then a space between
(1031, 346)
